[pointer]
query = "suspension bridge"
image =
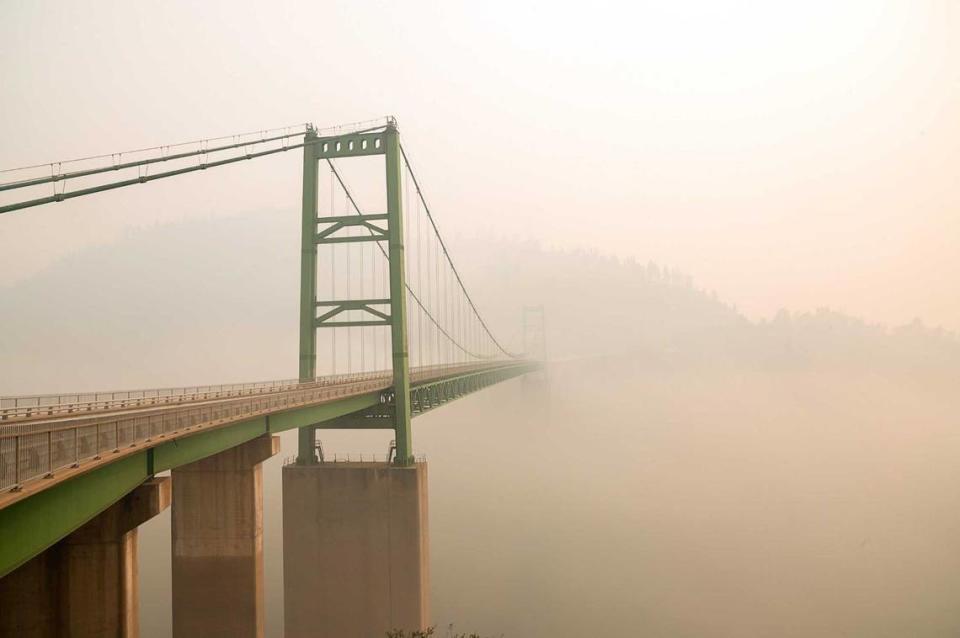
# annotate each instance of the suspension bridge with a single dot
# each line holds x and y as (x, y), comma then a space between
(387, 331)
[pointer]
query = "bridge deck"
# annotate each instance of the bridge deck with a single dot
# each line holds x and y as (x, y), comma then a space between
(59, 470)
(41, 436)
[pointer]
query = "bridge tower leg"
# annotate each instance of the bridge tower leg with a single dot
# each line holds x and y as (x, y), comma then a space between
(398, 300)
(85, 585)
(308, 285)
(217, 529)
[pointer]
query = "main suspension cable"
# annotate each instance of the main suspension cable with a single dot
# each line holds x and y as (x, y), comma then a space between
(456, 274)
(144, 178)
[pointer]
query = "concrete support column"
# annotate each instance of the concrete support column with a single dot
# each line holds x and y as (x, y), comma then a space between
(217, 528)
(86, 584)
(355, 549)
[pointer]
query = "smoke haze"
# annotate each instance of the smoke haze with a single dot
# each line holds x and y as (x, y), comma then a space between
(742, 224)
(786, 155)
(683, 471)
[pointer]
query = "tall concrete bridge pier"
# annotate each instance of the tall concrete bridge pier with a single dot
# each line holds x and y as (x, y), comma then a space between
(217, 533)
(87, 583)
(356, 549)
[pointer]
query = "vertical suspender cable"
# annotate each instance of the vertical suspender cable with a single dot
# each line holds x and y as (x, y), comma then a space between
(405, 197)
(333, 279)
(430, 303)
(363, 290)
(419, 287)
(349, 290)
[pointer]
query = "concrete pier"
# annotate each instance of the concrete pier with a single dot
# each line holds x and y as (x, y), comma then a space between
(217, 527)
(86, 584)
(355, 549)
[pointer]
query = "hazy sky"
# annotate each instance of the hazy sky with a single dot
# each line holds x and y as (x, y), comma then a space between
(783, 153)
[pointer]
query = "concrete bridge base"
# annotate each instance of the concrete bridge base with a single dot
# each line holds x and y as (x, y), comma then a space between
(217, 528)
(86, 584)
(355, 550)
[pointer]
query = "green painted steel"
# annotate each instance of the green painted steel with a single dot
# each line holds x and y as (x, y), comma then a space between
(359, 239)
(398, 298)
(349, 145)
(378, 417)
(188, 449)
(30, 526)
(366, 305)
(428, 396)
(387, 143)
(308, 282)
(340, 222)
(316, 415)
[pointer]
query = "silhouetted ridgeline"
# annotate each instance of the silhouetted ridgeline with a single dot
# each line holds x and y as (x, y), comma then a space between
(599, 305)
(187, 303)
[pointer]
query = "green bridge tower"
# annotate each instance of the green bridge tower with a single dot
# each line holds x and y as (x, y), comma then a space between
(317, 231)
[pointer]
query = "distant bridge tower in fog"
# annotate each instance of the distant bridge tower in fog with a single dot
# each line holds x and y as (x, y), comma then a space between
(535, 343)
(534, 333)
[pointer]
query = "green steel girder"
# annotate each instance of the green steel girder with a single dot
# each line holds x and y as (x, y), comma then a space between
(304, 418)
(30, 526)
(428, 396)
(378, 417)
(181, 451)
(424, 397)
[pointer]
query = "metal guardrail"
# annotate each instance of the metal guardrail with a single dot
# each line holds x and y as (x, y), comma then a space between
(354, 457)
(54, 405)
(31, 448)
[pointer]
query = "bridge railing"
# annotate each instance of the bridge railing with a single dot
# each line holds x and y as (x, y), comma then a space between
(30, 449)
(55, 405)
(355, 457)
(58, 405)
(35, 449)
